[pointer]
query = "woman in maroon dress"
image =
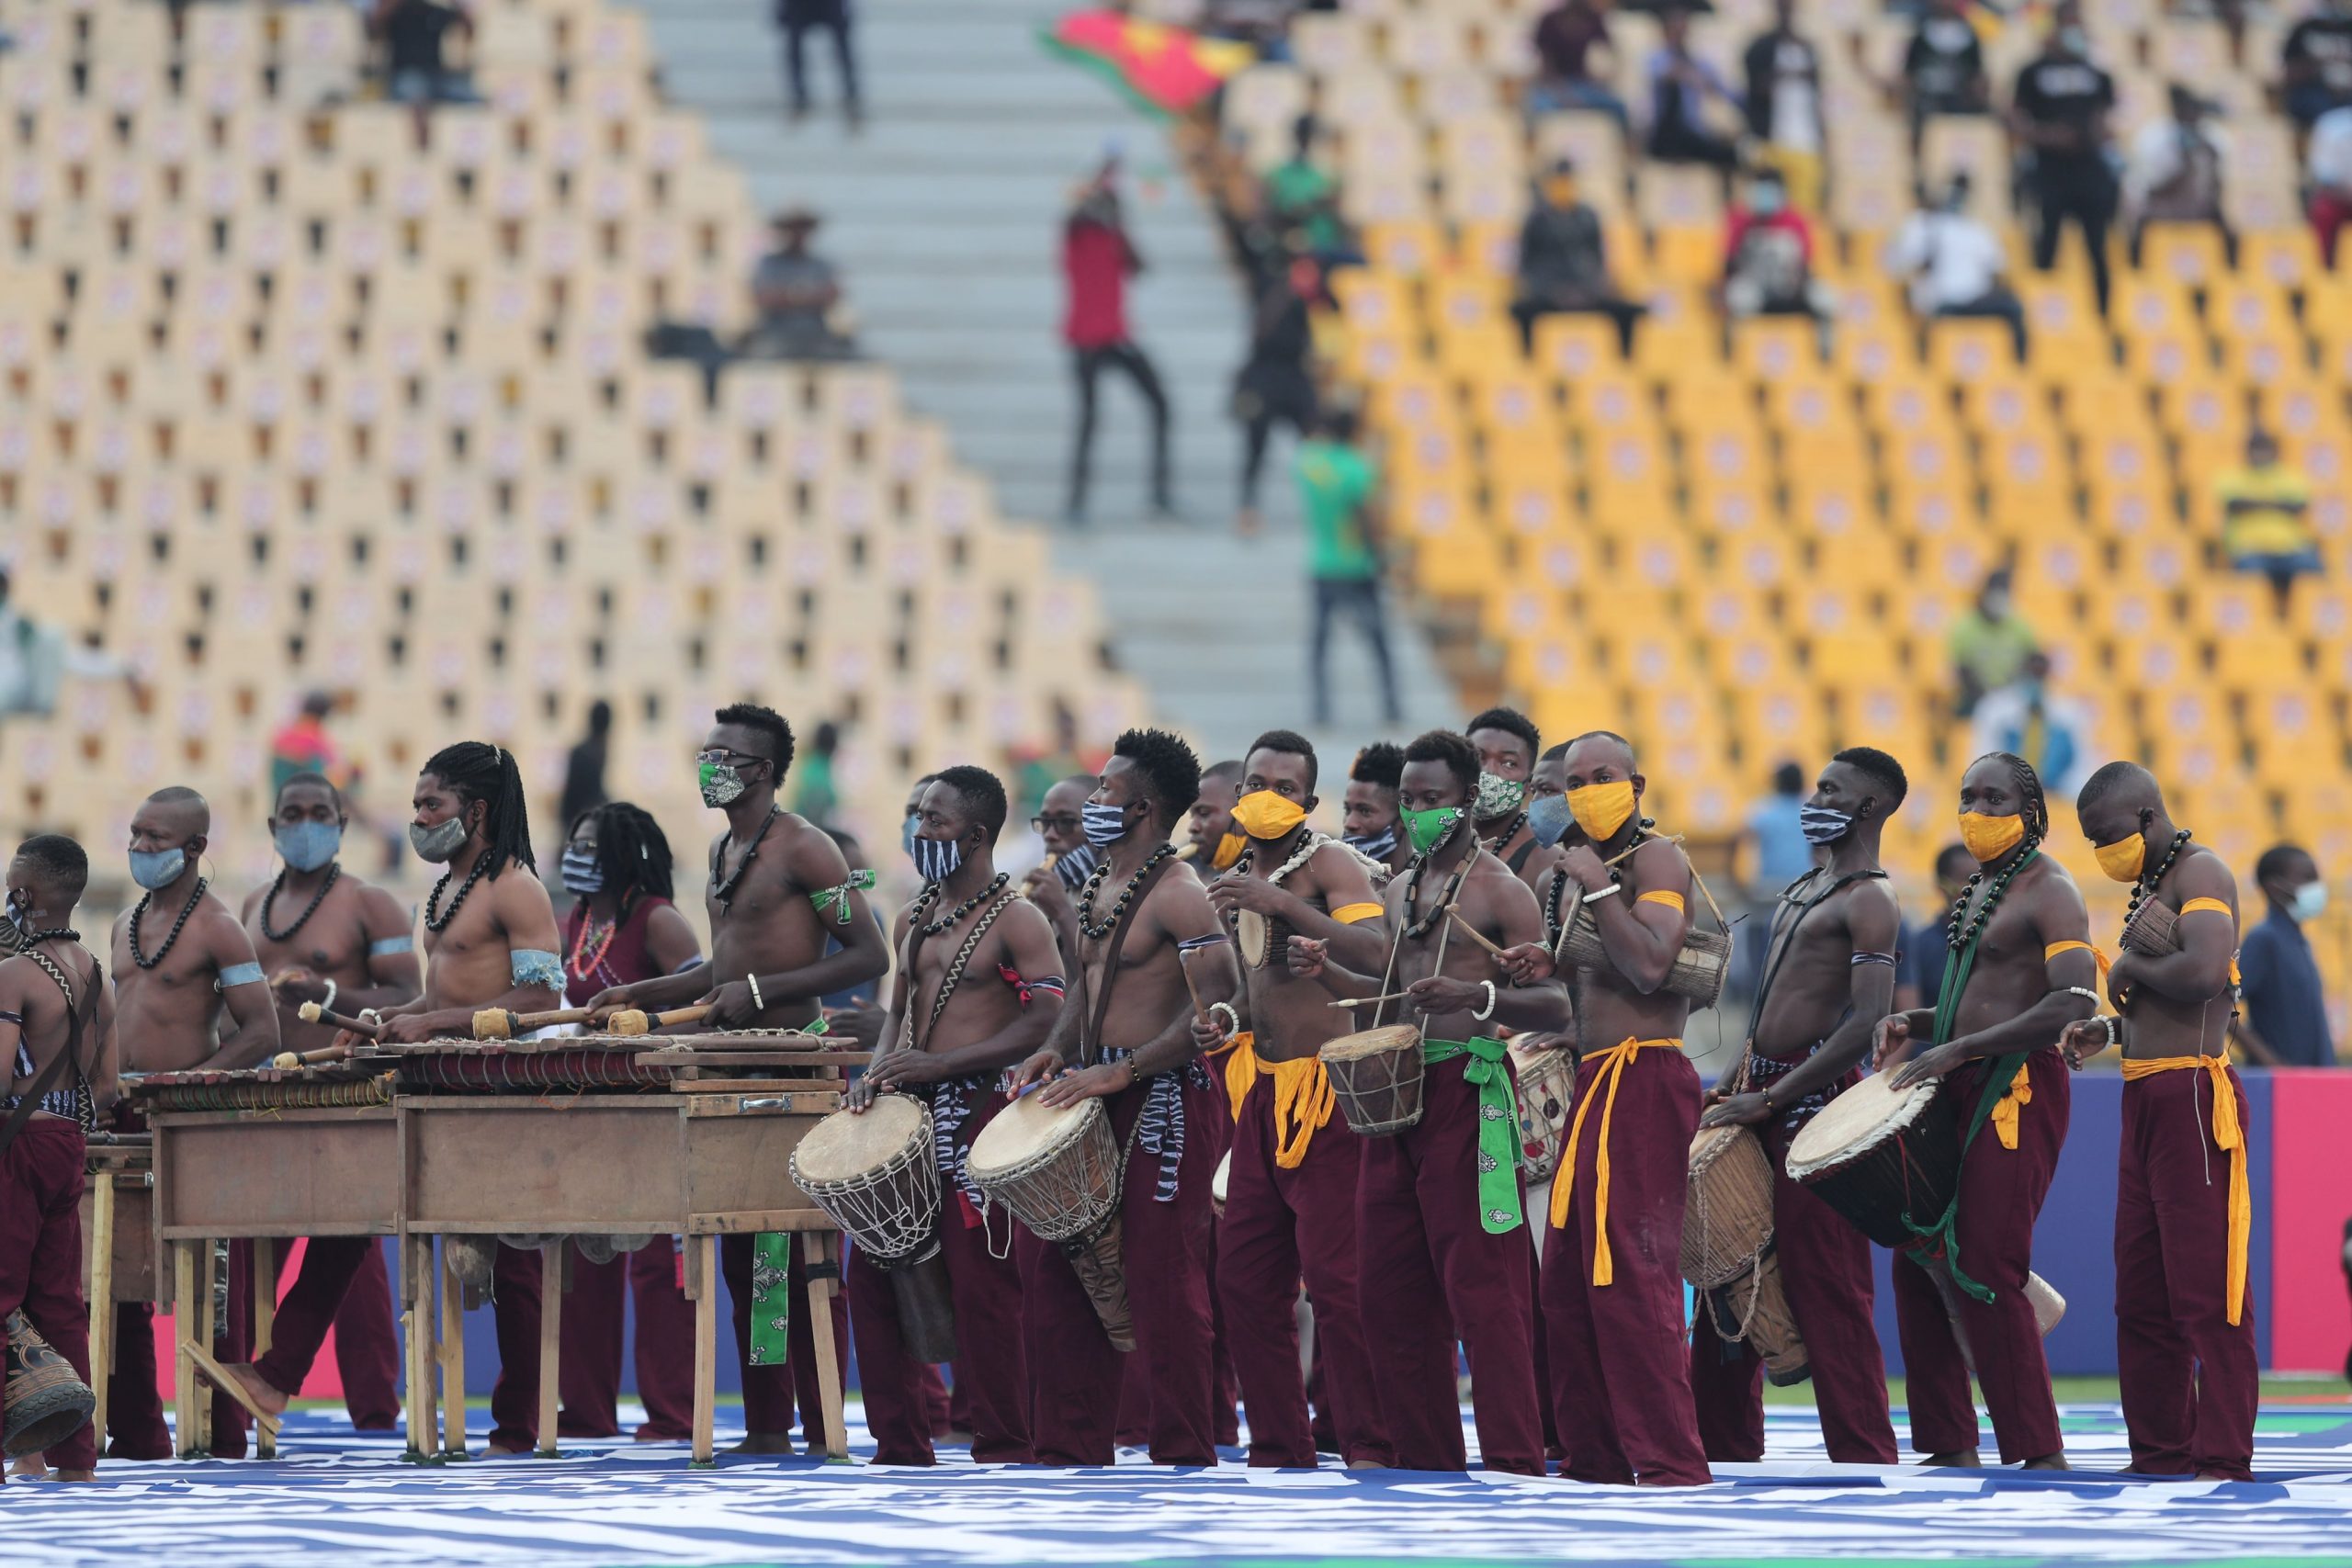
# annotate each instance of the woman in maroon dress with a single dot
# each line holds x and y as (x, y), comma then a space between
(624, 928)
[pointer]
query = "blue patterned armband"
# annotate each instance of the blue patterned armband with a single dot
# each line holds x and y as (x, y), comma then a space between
(534, 967)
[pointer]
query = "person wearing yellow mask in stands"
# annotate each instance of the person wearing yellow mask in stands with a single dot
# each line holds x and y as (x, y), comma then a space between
(2184, 1310)
(1213, 842)
(2022, 970)
(1612, 1295)
(1290, 1202)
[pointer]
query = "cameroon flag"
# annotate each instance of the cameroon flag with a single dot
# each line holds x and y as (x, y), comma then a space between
(1165, 70)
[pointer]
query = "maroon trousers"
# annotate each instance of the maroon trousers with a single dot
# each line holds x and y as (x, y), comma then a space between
(594, 1315)
(1825, 1269)
(1074, 1372)
(2190, 1377)
(1432, 1275)
(1280, 1227)
(1621, 1380)
(770, 1392)
(341, 1282)
(2000, 1194)
(42, 1178)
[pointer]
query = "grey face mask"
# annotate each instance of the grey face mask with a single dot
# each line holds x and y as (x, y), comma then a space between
(157, 868)
(440, 842)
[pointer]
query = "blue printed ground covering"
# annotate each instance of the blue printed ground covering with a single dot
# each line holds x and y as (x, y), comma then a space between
(337, 1499)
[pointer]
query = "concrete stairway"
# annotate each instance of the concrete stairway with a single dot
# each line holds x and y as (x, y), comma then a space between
(943, 215)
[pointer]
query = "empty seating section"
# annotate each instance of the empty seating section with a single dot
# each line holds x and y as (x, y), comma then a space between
(288, 402)
(1745, 551)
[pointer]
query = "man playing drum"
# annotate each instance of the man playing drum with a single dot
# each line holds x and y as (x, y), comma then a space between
(1438, 1215)
(979, 987)
(1291, 1200)
(1612, 1294)
(2185, 1347)
(778, 889)
(1828, 977)
(2022, 970)
(1128, 1039)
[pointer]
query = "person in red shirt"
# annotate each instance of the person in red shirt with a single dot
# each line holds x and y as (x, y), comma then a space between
(1097, 260)
(1768, 258)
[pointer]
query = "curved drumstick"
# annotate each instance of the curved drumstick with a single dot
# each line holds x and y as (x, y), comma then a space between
(1476, 934)
(367, 1029)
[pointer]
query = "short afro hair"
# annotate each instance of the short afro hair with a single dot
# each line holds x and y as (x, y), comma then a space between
(1380, 763)
(1290, 742)
(1556, 753)
(2117, 778)
(1880, 769)
(321, 780)
(982, 793)
(61, 865)
(2274, 859)
(1229, 770)
(1454, 750)
(1170, 771)
(769, 723)
(1510, 721)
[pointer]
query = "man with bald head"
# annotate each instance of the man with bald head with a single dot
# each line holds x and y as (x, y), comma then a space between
(188, 993)
(2184, 1308)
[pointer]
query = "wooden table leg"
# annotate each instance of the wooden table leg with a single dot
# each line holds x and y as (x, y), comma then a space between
(101, 1244)
(453, 1360)
(822, 1247)
(205, 1332)
(413, 1336)
(551, 1343)
(183, 1399)
(265, 1326)
(702, 1282)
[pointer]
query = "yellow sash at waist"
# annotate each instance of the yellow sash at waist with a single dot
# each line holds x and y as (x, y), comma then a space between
(1610, 1064)
(2228, 1134)
(1303, 1095)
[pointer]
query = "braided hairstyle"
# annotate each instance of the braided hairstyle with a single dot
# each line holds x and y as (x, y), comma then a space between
(2032, 805)
(475, 771)
(631, 850)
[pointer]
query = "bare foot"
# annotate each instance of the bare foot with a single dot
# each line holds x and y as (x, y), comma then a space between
(32, 1466)
(763, 1443)
(270, 1400)
(1365, 1464)
(1959, 1459)
(502, 1450)
(76, 1475)
(2217, 1475)
(2049, 1461)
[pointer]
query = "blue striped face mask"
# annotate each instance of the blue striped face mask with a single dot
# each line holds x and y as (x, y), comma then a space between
(582, 873)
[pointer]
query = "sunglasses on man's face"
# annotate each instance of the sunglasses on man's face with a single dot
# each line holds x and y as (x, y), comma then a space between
(1054, 824)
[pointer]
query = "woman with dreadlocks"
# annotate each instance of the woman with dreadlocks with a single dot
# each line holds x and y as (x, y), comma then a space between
(2021, 969)
(624, 928)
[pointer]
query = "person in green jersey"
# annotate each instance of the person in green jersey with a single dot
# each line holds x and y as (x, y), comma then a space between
(1340, 488)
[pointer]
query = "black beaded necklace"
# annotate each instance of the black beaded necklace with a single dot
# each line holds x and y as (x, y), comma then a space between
(434, 919)
(1961, 929)
(1495, 845)
(55, 934)
(931, 894)
(269, 899)
(1086, 922)
(724, 893)
(185, 911)
(1552, 911)
(2146, 887)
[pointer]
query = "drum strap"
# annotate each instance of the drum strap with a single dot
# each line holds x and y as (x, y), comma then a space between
(1090, 1044)
(29, 1102)
(1779, 945)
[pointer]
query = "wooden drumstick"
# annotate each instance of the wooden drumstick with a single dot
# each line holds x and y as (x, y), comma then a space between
(312, 1058)
(1370, 1001)
(1185, 950)
(497, 1023)
(312, 1012)
(1476, 934)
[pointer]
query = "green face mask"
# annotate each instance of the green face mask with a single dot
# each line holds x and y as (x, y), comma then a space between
(1427, 829)
(721, 785)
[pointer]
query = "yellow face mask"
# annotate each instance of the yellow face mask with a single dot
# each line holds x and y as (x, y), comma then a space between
(2124, 858)
(1262, 813)
(1600, 810)
(1229, 850)
(1990, 838)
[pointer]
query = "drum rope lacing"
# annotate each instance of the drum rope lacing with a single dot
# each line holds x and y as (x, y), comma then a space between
(1697, 1196)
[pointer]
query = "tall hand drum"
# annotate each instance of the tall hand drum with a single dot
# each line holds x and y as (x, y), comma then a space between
(1377, 1078)
(1698, 971)
(1545, 1083)
(1727, 1249)
(1058, 1170)
(875, 1175)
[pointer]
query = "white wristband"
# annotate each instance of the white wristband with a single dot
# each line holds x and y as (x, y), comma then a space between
(1493, 996)
(1232, 1018)
(328, 1005)
(758, 1002)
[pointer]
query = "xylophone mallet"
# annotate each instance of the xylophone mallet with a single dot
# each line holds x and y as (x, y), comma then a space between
(312, 1058)
(367, 1029)
(497, 1023)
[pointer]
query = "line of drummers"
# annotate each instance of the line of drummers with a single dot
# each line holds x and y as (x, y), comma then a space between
(1313, 1121)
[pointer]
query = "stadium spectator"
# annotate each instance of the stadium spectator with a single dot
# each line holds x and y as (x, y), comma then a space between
(413, 36)
(1919, 974)
(1564, 262)
(2174, 175)
(798, 18)
(2327, 170)
(1303, 200)
(1775, 835)
(796, 292)
(2059, 113)
(1953, 264)
(1681, 84)
(1768, 258)
(2318, 59)
(1782, 76)
(584, 766)
(35, 657)
(1098, 258)
(2026, 719)
(1943, 68)
(2266, 518)
(303, 746)
(815, 793)
(1567, 38)
(1988, 645)
(1340, 490)
(2284, 1024)
(1274, 382)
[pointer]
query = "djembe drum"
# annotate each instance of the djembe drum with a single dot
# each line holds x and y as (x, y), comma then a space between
(1377, 1078)
(1727, 1249)
(1058, 1169)
(875, 1175)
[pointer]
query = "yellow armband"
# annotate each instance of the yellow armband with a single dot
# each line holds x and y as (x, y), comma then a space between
(1663, 895)
(1348, 914)
(2204, 905)
(2056, 948)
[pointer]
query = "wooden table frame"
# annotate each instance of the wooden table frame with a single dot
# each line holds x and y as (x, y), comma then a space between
(117, 1251)
(700, 1160)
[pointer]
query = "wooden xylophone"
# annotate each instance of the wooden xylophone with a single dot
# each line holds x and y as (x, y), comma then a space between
(261, 1088)
(688, 1063)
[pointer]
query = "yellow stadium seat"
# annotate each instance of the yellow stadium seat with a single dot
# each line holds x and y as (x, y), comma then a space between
(1572, 347)
(1762, 560)
(1373, 299)
(1967, 350)
(2288, 257)
(2189, 254)
(1768, 349)
(1994, 406)
(1405, 248)
(2261, 358)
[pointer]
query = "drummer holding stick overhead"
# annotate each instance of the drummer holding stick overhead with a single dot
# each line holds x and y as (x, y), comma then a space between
(1290, 1205)
(1127, 1039)
(2185, 1346)
(1828, 973)
(1438, 1215)
(978, 986)
(2022, 970)
(1612, 1293)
